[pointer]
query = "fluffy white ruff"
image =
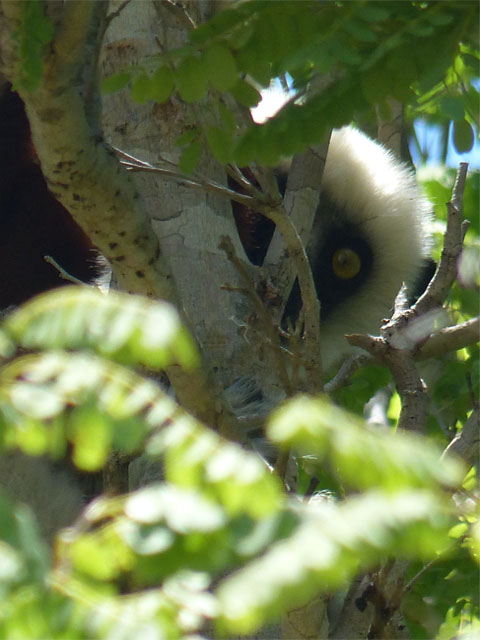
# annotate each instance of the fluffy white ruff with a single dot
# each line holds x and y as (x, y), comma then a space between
(378, 194)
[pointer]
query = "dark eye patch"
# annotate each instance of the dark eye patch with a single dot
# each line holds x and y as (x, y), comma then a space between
(341, 260)
(334, 282)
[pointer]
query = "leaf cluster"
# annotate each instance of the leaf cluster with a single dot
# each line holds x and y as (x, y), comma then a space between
(214, 540)
(341, 60)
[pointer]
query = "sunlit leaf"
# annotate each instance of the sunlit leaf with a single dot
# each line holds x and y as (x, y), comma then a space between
(95, 404)
(101, 555)
(364, 457)
(11, 564)
(130, 329)
(195, 456)
(182, 510)
(326, 549)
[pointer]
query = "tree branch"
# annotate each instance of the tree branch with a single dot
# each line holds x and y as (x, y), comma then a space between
(399, 353)
(450, 339)
(301, 202)
(465, 444)
(311, 305)
(197, 182)
(446, 272)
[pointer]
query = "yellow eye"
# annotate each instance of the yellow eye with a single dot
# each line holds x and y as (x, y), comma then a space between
(346, 263)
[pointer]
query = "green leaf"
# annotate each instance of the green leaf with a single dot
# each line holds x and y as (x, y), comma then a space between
(191, 80)
(228, 118)
(376, 84)
(91, 432)
(262, 72)
(474, 544)
(8, 524)
(363, 385)
(221, 144)
(463, 136)
(190, 157)
(32, 437)
(196, 457)
(260, 68)
(420, 30)
(246, 94)
(129, 329)
(220, 67)
(115, 82)
(364, 458)
(101, 555)
(19, 533)
(182, 510)
(360, 31)
(326, 549)
(97, 404)
(162, 84)
(221, 22)
(341, 50)
(449, 580)
(141, 88)
(129, 433)
(187, 137)
(437, 18)
(246, 148)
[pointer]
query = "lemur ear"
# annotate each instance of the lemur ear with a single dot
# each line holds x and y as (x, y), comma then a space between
(33, 224)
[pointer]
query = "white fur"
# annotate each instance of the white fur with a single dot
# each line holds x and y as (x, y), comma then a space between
(380, 195)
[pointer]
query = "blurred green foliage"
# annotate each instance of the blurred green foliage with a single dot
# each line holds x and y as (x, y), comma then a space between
(148, 560)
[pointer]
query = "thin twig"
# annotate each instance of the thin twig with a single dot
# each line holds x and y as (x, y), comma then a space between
(311, 304)
(281, 464)
(450, 339)
(411, 583)
(347, 369)
(465, 444)
(197, 183)
(446, 272)
(64, 274)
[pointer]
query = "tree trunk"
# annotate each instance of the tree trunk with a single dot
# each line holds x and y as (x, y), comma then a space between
(189, 225)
